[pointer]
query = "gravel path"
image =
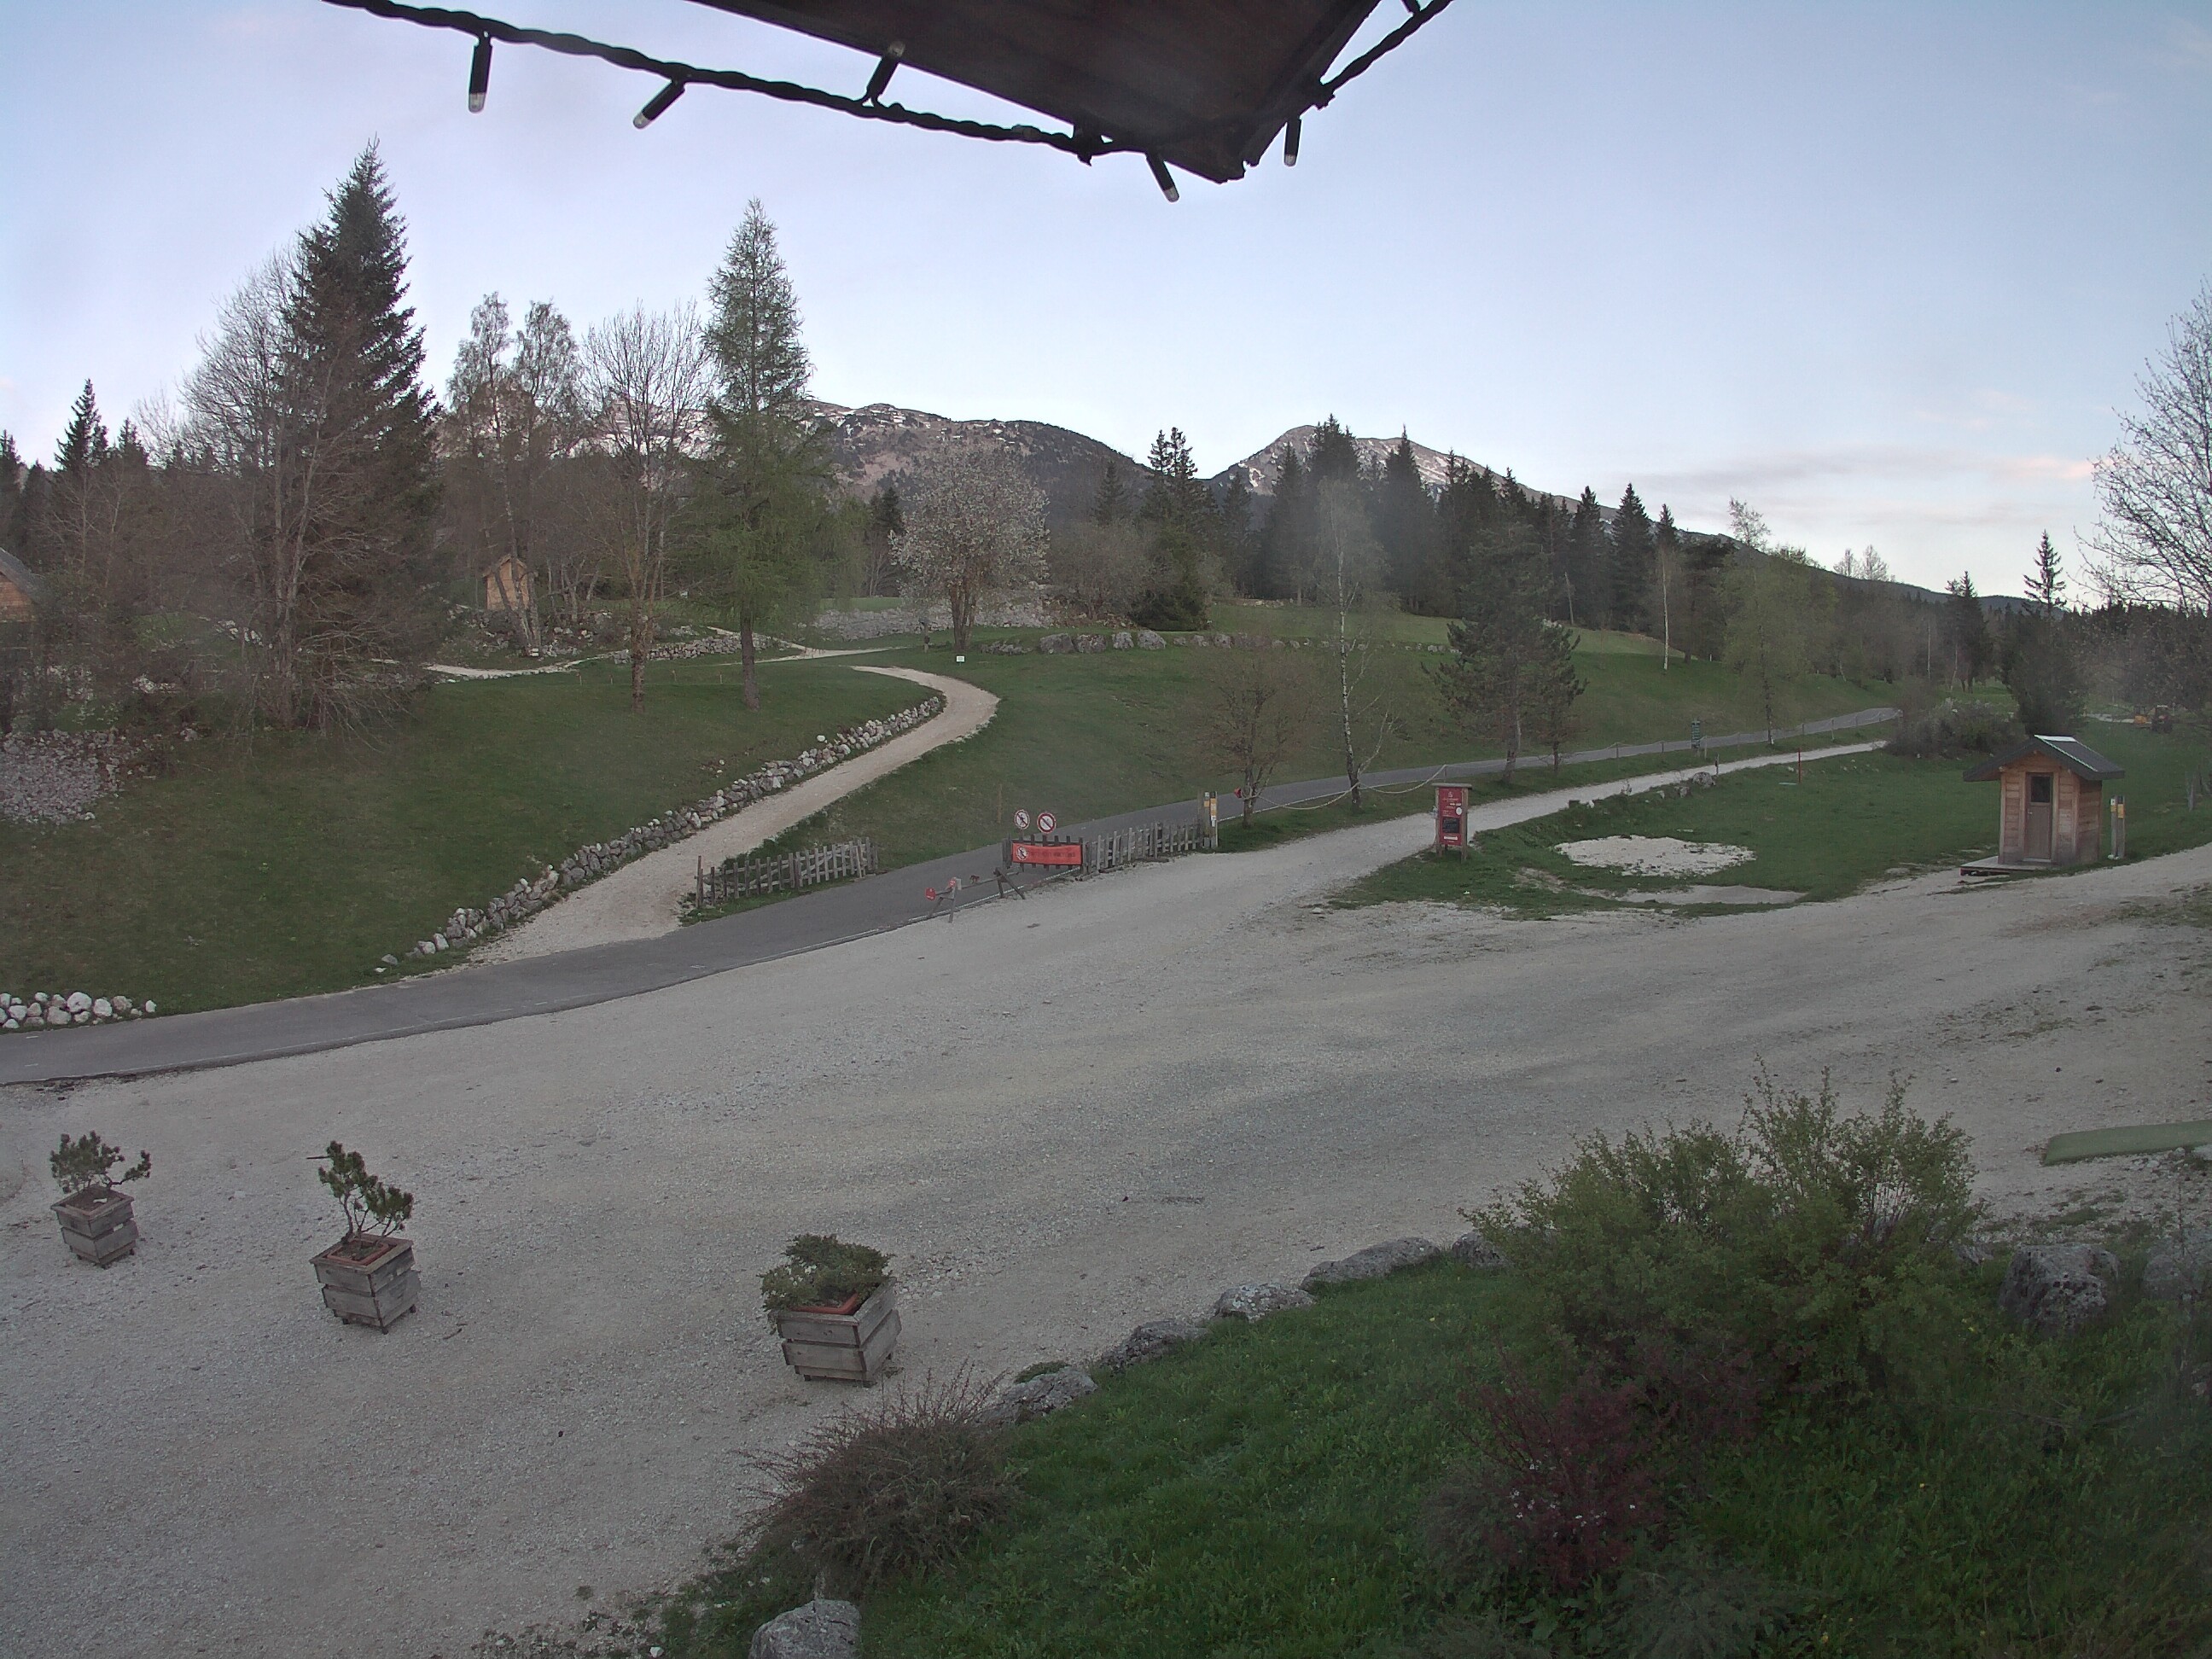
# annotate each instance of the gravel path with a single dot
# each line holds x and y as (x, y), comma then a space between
(640, 900)
(1062, 1116)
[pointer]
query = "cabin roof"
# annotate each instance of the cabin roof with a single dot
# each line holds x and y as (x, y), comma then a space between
(14, 571)
(1205, 84)
(2071, 753)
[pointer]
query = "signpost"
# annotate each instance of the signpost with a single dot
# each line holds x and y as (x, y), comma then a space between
(1451, 818)
(1021, 817)
(1046, 823)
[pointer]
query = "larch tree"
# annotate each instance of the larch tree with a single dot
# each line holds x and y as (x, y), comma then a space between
(767, 524)
(974, 522)
(1258, 717)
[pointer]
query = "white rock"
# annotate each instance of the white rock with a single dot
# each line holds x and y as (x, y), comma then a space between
(102, 1008)
(78, 1002)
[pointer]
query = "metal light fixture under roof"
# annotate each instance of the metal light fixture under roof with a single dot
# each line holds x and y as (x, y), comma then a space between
(659, 105)
(479, 75)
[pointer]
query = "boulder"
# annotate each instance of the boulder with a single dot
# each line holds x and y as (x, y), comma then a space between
(1148, 641)
(1125, 640)
(1025, 1402)
(1253, 1302)
(1089, 642)
(820, 1630)
(1473, 1250)
(1148, 1341)
(1053, 645)
(2179, 1272)
(1375, 1261)
(2059, 1288)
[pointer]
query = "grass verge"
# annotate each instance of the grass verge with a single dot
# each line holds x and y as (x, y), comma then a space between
(1851, 820)
(291, 864)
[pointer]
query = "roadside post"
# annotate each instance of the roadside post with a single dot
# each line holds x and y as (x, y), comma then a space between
(1209, 821)
(2119, 827)
(1451, 818)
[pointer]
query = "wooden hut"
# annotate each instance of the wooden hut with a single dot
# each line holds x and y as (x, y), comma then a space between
(20, 591)
(2051, 803)
(507, 586)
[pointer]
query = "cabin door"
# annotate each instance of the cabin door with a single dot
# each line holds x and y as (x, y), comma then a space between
(2039, 808)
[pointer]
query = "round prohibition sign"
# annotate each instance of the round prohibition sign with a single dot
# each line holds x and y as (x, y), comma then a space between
(1021, 817)
(1046, 823)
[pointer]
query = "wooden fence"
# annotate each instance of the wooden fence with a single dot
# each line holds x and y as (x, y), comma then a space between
(1144, 843)
(785, 873)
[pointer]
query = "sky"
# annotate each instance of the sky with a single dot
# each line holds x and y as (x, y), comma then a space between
(1889, 272)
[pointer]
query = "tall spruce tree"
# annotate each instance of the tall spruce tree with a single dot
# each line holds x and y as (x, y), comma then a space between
(343, 582)
(1287, 543)
(767, 521)
(1111, 504)
(1628, 585)
(1240, 542)
(1588, 554)
(1405, 525)
(83, 443)
(2046, 582)
(1177, 508)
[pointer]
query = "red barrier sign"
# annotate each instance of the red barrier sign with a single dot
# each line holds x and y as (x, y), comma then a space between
(1066, 856)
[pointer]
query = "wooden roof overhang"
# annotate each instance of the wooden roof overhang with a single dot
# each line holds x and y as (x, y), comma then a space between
(1203, 85)
(2071, 753)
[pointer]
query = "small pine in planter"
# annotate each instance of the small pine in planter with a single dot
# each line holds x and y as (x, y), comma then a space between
(369, 1276)
(834, 1306)
(97, 1223)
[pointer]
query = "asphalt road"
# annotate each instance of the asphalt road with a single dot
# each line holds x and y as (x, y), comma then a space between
(484, 994)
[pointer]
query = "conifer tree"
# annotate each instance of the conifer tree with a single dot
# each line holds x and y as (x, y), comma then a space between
(1111, 504)
(1177, 508)
(1286, 546)
(83, 443)
(1629, 575)
(1240, 548)
(1503, 655)
(2046, 582)
(1587, 555)
(768, 519)
(1405, 525)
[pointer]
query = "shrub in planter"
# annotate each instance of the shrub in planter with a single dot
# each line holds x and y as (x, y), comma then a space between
(369, 1276)
(97, 1224)
(834, 1306)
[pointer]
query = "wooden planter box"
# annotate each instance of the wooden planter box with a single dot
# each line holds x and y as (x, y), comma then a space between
(96, 1225)
(822, 1344)
(370, 1281)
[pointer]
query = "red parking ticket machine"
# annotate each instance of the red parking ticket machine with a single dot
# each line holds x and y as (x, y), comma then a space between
(1451, 818)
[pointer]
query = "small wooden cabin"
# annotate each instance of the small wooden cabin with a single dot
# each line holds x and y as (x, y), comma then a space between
(2050, 802)
(20, 591)
(507, 586)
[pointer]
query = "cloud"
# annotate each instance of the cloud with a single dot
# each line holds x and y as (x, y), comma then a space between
(1897, 463)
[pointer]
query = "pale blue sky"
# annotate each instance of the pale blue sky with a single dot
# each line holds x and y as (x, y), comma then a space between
(1883, 270)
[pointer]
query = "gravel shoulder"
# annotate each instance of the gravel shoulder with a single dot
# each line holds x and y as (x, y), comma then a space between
(1061, 1116)
(640, 900)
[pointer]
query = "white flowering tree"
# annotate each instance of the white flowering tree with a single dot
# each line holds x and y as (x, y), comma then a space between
(974, 522)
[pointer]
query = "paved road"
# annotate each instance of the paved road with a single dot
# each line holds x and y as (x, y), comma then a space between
(481, 995)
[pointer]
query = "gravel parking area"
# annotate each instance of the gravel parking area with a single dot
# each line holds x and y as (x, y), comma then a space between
(1061, 1116)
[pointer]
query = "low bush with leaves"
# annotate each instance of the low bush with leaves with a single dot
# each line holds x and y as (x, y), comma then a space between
(1819, 1246)
(821, 1271)
(373, 1208)
(886, 1490)
(87, 1165)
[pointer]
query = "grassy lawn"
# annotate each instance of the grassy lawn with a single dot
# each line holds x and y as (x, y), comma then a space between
(1852, 820)
(1309, 621)
(291, 865)
(1260, 1493)
(1087, 736)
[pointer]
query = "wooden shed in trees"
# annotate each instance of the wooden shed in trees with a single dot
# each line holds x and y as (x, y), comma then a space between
(2051, 803)
(507, 586)
(20, 591)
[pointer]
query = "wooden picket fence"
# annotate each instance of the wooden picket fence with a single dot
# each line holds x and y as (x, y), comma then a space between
(1144, 843)
(787, 873)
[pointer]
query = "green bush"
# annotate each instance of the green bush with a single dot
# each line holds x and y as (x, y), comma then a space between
(1820, 1245)
(819, 1270)
(88, 1162)
(890, 1489)
(1954, 727)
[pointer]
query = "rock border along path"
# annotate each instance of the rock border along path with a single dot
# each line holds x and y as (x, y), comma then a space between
(639, 900)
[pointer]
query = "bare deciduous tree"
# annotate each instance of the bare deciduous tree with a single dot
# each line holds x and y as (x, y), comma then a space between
(2155, 488)
(1348, 557)
(1100, 568)
(1258, 715)
(514, 414)
(648, 378)
(974, 522)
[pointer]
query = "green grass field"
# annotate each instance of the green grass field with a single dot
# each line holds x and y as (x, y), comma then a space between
(290, 864)
(1087, 736)
(1851, 820)
(1261, 1493)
